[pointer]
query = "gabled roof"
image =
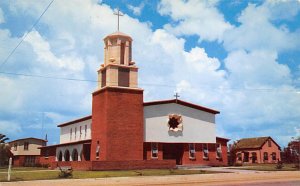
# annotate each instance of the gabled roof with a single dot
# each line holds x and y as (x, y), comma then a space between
(28, 139)
(75, 121)
(253, 143)
(184, 103)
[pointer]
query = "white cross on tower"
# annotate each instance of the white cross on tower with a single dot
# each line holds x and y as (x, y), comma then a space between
(118, 13)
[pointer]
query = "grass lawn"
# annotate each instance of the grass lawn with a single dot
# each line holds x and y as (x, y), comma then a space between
(38, 174)
(268, 167)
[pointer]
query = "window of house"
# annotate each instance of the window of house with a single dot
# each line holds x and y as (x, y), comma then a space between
(266, 156)
(80, 133)
(15, 146)
(218, 151)
(192, 151)
(246, 157)
(154, 150)
(70, 134)
(274, 156)
(205, 151)
(254, 157)
(75, 133)
(85, 131)
(269, 143)
(97, 150)
(26, 144)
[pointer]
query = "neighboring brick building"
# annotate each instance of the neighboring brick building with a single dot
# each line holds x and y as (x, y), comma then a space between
(26, 151)
(123, 132)
(257, 150)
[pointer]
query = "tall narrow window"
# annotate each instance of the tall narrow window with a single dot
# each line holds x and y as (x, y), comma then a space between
(26, 144)
(97, 150)
(80, 133)
(192, 151)
(154, 150)
(122, 53)
(85, 131)
(205, 151)
(75, 133)
(103, 78)
(274, 156)
(218, 151)
(15, 146)
(266, 156)
(70, 134)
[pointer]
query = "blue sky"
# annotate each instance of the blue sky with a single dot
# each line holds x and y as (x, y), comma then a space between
(239, 57)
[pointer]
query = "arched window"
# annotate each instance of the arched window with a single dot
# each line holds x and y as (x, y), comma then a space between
(74, 155)
(67, 155)
(60, 156)
(266, 156)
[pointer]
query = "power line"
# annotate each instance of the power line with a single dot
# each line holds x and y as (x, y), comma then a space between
(145, 84)
(36, 22)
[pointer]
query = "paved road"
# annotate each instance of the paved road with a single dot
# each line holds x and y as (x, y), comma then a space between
(231, 179)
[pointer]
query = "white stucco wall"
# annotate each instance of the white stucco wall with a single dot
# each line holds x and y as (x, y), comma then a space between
(65, 132)
(198, 126)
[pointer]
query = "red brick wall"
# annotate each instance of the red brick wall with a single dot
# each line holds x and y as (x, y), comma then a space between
(44, 159)
(117, 123)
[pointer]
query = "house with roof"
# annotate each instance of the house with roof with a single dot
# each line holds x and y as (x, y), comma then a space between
(26, 151)
(257, 150)
(124, 132)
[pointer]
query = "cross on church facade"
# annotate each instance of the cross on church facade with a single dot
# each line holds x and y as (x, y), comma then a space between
(118, 13)
(176, 96)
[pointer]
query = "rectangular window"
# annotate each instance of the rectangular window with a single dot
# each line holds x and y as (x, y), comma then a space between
(192, 151)
(26, 144)
(218, 151)
(75, 133)
(266, 156)
(154, 150)
(15, 146)
(80, 133)
(274, 156)
(103, 78)
(123, 77)
(85, 131)
(97, 150)
(70, 134)
(205, 151)
(122, 53)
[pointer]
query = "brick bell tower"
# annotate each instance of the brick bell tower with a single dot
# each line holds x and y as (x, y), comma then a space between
(117, 107)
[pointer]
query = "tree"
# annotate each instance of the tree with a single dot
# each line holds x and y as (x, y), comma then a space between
(4, 150)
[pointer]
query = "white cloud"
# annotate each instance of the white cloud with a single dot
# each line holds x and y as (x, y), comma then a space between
(136, 9)
(195, 17)
(258, 32)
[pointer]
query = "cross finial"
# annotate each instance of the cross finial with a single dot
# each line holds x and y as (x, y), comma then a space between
(176, 96)
(118, 13)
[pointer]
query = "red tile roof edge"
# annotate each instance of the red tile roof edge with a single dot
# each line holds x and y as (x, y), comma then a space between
(184, 103)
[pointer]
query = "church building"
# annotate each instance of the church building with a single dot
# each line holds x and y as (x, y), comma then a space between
(124, 132)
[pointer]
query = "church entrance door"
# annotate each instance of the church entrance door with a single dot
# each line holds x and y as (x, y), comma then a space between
(173, 151)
